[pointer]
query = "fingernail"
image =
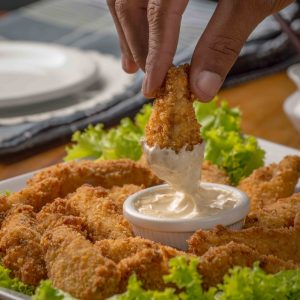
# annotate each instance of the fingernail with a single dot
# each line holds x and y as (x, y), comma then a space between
(207, 85)
(128, 64)
(145, 87)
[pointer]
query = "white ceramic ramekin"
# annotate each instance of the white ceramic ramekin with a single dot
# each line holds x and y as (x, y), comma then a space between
(175, 233)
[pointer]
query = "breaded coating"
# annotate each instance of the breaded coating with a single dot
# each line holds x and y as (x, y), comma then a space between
(217, 261)
(173, 122)
(58, 213)
(120, 194)
(268, 184)
(283, 242)
(211, 173)
(99, 212)
(147, 259)
(76, 266)
(282, 213)
(20, 245)
(60, 180)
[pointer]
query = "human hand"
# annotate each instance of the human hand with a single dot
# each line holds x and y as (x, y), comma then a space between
(149, 29)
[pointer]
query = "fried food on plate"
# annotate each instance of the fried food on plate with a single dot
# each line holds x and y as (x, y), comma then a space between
(173, 123)
(211, 173)
(76, 266)
(268, 184)
(217, 261)
(20, 245)
(282, 213)
(120, 194)
(147, 259)
(283, 242)
(99, 212)
(58, 213)
(60, 180)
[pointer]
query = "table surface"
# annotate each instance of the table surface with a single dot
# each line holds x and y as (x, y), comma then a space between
(259, 100)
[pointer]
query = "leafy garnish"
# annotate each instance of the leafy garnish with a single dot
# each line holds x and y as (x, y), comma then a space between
(183, 275)
(5, 193)
(13, 283)
(241, 283)
(122, 141)
(45, 291)
(226, 146)
(254, 284)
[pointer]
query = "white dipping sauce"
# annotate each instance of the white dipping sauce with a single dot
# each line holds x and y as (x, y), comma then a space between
(185, 198)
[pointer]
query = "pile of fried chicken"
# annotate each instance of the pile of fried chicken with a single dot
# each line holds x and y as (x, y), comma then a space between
(67, 225)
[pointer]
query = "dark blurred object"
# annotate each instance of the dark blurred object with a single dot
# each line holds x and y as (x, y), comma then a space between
(293, 36)
(13, 4)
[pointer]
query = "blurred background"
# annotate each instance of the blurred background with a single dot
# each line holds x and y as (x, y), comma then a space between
(60, 66)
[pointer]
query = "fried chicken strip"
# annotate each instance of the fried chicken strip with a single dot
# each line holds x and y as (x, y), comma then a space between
(99, 212)
(268, 184)
(283, 243)
(217, 261)
(148, 260)
(60, 180)
(20, 245)
(282, 213)
(76, 266)
(173, 123)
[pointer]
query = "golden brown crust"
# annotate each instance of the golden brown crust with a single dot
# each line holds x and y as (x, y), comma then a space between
(282, 213)
(217, 261)
(283, 243)
(173, 123)
(99, 212)
(76, 266)
(20, 245)
(60, 180)
(270, 183)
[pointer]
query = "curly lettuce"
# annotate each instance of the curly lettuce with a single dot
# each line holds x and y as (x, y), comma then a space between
(226, 146)
(241, 283)
(45, 291)
(6, 281)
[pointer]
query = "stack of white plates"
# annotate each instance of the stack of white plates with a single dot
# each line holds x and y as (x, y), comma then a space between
(40, 81)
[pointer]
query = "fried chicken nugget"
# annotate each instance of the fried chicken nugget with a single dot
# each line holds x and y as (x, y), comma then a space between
(283, 242)
(173, 123)
(217, 261)
(120, 194)
(282, 213)
(58, 213)
(20, 245)
(76, 266)
(147, 259)
(99, 212)
(60, 180)
(268, 184)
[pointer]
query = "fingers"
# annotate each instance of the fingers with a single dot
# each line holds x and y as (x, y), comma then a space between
(164, 18)
(128, 63)
(220, 44)
(132, 16)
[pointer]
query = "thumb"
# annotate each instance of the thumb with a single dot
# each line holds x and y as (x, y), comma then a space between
(220, 44)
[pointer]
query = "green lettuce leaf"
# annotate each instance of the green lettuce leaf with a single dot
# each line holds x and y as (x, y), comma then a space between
(254, 284)
(45, 291)
(5, 193)
(226, 146)
(13, 283)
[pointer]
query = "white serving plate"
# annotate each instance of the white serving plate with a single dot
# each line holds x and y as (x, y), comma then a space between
(274, 153)
(36, 72)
